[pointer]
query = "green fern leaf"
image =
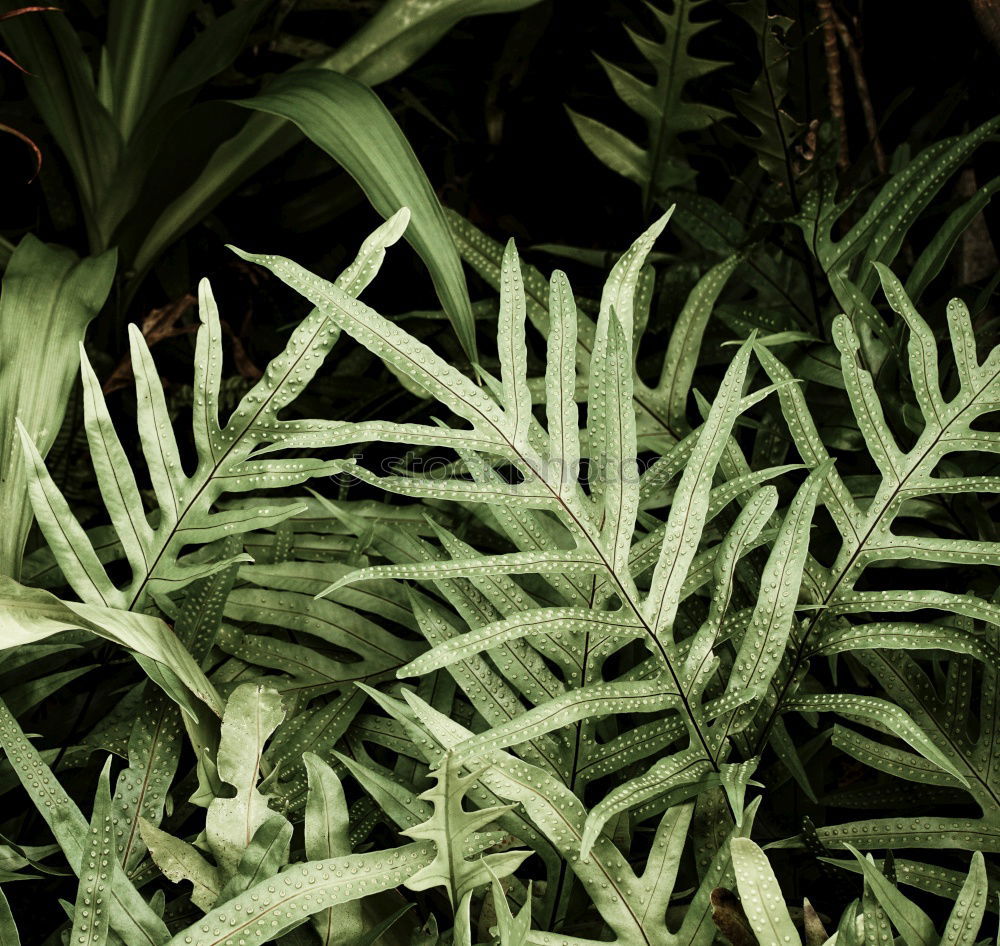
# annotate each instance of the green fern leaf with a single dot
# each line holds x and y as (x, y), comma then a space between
(868, 536)
(129, 914)
(763, 104)
(760, 894)
(664, 106)
(91, 913)
(181, 861)
(452, 829)
(276, 905)
(253, 712)
(878, 234)
(229, 456)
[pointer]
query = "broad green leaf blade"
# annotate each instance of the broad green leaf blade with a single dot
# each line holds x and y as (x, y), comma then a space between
(568, 562)
(622, 284)
(252, 713)
(596, 699)
(611, 147)
(142, 35)
(210, 53)
(64, 93)
(49, 297)
(8, 929)
(31, 614)
(327, 835)
(664, 861)
(207, 376)
(922, 349)
(151, 638)
(356, 278)
(181, 861)
(932, 260)
(276, 905)
(760, 894)
(265, 855)
(902, 635)
(868, 409)
(348, 121)
(962, 927)
(877, 929)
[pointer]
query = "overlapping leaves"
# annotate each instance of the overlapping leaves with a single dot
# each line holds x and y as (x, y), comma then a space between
(701, 681)
(232, 457)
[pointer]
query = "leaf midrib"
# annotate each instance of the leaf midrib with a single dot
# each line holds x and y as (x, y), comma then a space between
(622, 591)
(210, 474)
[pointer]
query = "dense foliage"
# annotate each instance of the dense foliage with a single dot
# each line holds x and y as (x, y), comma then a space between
(658, 606)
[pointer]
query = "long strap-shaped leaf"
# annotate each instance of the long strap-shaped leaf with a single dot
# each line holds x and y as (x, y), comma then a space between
(48, 299)
(397, 35)
(348, 121)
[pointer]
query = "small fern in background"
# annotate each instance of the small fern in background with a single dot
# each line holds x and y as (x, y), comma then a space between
(664, 105)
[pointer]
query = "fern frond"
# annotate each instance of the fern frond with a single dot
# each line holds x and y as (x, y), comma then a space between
(635, 910)
(878, 235)
(452, 829)
(967, 762)
(614, 582)
(870, 535)
(232, 457)
(663, 105)
(763, 104)
(661, 411)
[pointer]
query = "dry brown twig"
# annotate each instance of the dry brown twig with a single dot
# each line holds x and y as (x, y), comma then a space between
(158, 325)
(852, 48)
(835, 82)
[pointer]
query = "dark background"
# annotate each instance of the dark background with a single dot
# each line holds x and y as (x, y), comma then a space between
(485, 112)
